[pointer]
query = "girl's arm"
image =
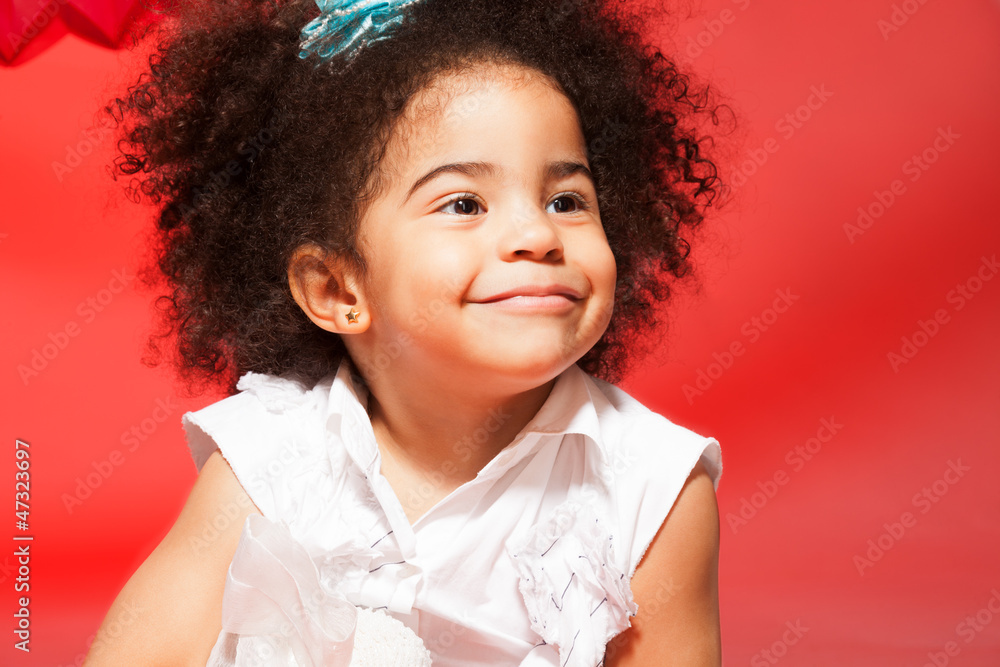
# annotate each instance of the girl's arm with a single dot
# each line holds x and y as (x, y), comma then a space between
(170, 611)
(676, 587)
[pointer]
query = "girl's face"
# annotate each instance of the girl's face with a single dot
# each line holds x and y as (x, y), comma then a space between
(487, 257)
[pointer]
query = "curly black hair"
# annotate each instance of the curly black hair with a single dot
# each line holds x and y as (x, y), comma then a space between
(250, 151)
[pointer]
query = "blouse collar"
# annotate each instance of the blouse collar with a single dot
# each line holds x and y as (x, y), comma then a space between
(570, 408)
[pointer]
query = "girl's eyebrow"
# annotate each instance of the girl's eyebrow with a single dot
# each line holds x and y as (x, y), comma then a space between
(555, 170)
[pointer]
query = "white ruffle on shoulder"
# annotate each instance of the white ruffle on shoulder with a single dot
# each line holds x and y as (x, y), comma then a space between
(277, 394)
(277, 612)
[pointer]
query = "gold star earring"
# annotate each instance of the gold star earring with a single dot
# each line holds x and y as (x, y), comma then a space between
(352, 317)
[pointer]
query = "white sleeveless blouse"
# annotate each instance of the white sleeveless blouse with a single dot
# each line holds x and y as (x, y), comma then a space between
(527, 564)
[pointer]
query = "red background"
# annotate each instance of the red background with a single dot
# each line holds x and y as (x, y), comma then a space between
(64, 234)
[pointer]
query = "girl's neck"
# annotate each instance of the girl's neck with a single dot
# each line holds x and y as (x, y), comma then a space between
(446, 436)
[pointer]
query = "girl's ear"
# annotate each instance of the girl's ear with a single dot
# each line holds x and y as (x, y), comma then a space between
(328, 290)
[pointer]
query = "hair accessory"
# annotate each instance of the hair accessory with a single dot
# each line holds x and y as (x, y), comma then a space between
(347, 25)
(352, 316)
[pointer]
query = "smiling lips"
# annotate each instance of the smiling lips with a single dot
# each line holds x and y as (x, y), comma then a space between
(535, 297)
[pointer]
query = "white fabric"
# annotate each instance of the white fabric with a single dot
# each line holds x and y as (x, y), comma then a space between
(276, 612)
(527, 564)
(382, 641)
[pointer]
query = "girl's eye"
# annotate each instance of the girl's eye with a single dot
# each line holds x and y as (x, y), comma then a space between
(467, 204)
(463, 205)
(568, 201)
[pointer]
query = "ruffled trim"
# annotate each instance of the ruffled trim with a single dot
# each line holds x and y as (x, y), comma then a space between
(277, 394)
(577, 597)
(348, 559)
(329, 523)
(277, 612)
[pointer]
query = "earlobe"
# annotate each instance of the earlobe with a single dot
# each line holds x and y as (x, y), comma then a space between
(327, 290)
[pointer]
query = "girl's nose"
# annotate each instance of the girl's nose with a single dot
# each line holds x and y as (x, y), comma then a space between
(529, 232)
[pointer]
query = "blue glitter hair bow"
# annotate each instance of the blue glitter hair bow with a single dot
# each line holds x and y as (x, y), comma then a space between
(344, 26)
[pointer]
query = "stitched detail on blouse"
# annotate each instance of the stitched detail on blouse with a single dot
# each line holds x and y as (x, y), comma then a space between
(564, 563)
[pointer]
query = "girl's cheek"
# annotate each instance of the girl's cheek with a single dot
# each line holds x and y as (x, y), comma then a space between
(610, 268)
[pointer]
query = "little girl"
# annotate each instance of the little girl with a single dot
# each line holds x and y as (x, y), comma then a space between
(417, 241)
